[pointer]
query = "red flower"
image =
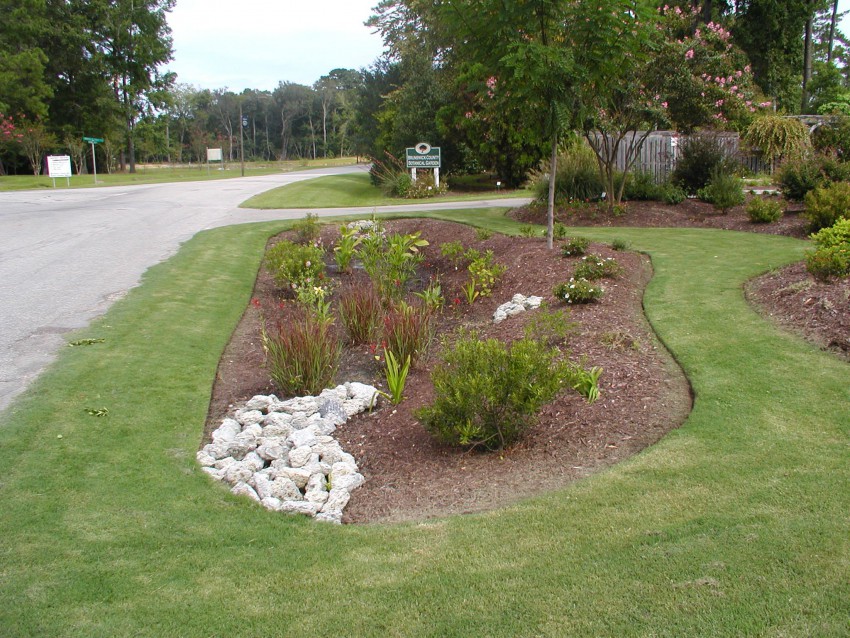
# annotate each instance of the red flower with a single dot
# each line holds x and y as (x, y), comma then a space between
(457, 301)
(255, 302)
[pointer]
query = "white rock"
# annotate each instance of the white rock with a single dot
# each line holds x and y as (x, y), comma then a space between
(308, 405)
(226, 462)
(360, 391)
(532, 302)
(272, 449)
(347, 481)
(241, 445)
(338, 393)
(277, 418)
(337, 500)
(254, 429)
(206, 460)
(285, 489)
(330, 452)
(249, 417)
(272, 503)
(227, 431)
(317, 467)
(243, 489)
(518, 299)
(262, 484)
(317, 491)
(238, 473)
(216, 474)
(335, 517)
(294, 474)
(343, 467)
(300, 438)
(254, 461)
(324, 427)
(260, 402)
(216, 450)
(300, 456)
(300, 507)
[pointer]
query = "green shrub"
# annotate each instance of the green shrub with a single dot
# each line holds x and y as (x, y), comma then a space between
(575, 246)
(835, 235)
(700, 158)
(825, 263)
(488, 393)
(346, 245)
(560, 231)
(833, 138)
(303, 356)
(425, 187)
(776, 137)
(307, 230)
(294, 265)
(801, 176)
(483, 234)
(528, 230)
(641, 186)
(619, 244)
(576, 178)
(826, 205)
(576, 291)
(485, 273)
(453, 251)
(672, 194)
(764, 211)
(723, 192)
(360, 313)
(594, 267)
(390, 261)
(552, 327)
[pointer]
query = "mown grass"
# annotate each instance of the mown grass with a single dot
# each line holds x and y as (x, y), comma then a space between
(734, 525)
(339, 191)
(159, 174)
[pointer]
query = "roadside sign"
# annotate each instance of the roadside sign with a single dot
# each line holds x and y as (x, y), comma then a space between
(59, 165)
(423, 155)
(214, 155)
(93, 140)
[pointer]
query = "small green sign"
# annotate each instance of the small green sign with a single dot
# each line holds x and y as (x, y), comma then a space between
(423, 155)
(93, 140)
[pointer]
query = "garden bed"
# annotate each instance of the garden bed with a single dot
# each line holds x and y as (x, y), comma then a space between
(411, 476)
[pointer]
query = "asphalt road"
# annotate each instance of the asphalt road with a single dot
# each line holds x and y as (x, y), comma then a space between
(67, 255)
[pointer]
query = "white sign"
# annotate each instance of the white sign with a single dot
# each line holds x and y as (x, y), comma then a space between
(213, 154)
(59, 165)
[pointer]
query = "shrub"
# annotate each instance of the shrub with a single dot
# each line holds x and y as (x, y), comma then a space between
(764, 211)
(303, 356)
(835, 235)
(360, 313)
(672, 194)
(575, 246)
(825, 263)
(483, 234)
(391, 261)
(801, 176)
(777, 137)
(724, 191)
(407, 330)
(825, 206)
(619, 244)
(453, 251)
(834, 137)
(488, 393)
(346, 246)
(425, 187)
(576, 178)
(700, 158)
(307, 230)
(577, 291)
(597, 267)
(527, 230)
(560, 231)
(552, 327)
(641, 186)
(484, 273)
(294, 265)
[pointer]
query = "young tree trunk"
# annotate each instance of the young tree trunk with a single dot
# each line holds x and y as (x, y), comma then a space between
(550, 208)
(807, 61)
(831, 40)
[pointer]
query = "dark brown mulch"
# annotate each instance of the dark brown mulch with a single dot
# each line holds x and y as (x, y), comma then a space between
(409, 475)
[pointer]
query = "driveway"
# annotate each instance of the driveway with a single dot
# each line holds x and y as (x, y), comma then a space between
(66, 255)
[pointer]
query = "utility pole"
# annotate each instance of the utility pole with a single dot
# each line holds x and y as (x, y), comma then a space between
(241, 140)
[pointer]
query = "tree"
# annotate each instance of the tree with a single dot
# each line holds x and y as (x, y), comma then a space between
(23, 88)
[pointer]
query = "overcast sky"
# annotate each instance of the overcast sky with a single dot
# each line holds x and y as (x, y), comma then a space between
(258, 43)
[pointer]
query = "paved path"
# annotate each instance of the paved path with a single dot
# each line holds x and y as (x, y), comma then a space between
(66, 255)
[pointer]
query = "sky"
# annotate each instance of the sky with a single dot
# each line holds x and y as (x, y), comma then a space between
(258, 43)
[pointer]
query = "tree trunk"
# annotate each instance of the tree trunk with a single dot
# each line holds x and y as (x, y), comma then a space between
(831, 40)
(807, 61)
(550, 208)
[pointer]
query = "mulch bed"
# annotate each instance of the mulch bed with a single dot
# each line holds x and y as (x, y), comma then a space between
(644, 393)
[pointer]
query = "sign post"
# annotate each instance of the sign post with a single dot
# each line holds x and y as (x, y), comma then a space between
(423, 155)
(213, 155)
(93, 141)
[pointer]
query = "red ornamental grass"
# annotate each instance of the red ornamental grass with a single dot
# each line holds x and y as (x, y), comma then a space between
(360, 312)
(407, 331)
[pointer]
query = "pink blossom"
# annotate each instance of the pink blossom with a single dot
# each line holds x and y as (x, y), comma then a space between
(718, 103)
(664, 105)
(689, 54)
(468, 115)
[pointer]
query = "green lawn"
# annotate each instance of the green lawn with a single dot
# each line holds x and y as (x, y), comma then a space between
(734, 525)
(158, 174)
(338, 191)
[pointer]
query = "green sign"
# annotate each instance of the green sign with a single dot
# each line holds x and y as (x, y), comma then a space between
(423, 155)
(93, 140)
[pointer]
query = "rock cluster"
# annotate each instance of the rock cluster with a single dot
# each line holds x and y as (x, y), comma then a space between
(282, 454)
(519, 303)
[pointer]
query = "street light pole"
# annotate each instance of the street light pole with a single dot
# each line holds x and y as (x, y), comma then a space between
(241, 142)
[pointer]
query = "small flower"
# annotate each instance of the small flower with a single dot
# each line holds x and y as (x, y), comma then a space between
(689, 54)
(255, 302)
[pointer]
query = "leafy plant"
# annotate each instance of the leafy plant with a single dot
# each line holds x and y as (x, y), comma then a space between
(764, 211)
(577, 291)
(407, 330)
(307, 230)
(316, 300)
(360, 313)
(432, 296)
(470, 292)
(826, 205)
(724, 191)
(576, 178)
(826, 263)
(391, 261)
(293, 265)
(801, 176)
(778, 137)
(552, 327)
(346, 246)
(619, 244)
(483, 234)
(835, 235)
(672, 194)
(575, 246)
(453, 251)
(701, 158)
(560, 231)
(303, 356)
(585, 382)
(641, 186)
(527, 230)
(396, 375)
(485, 273)
(488, 393)
(594, 267)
